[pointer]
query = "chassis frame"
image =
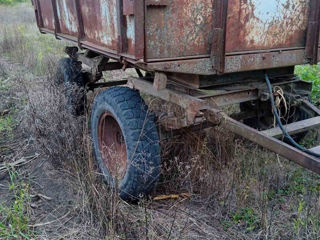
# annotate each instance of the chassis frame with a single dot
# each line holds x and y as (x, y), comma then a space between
(203, 102)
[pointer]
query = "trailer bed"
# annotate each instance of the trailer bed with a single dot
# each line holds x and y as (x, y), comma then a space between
(197, 37)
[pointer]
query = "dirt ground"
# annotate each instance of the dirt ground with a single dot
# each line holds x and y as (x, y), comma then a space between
(54, 206)
(50, 187)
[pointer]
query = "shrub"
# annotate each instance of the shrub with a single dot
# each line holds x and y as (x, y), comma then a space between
(311, 74)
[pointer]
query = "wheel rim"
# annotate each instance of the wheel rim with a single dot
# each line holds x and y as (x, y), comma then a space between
(112, 146)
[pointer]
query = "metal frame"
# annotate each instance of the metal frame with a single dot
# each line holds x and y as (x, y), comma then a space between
(200, 106)
(209, 111)
(312, 41)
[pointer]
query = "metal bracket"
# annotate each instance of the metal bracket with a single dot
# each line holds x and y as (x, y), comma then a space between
(219, 35)
(80, 22)
(56, 19)
(160, 81)
(157, 3)
(312, 43)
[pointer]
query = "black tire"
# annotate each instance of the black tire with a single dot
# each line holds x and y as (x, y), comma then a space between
(140, 137)
(69, 75)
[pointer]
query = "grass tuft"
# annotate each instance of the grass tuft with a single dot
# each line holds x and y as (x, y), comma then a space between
(14, 218)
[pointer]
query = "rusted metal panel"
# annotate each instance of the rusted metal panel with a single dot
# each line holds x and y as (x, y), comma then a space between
(312, 43)
(261, 24)
(157, 3)
(47, 17)
(130, 34)
(219, 35)
(37, 11)
(100, 22)
(234, 63)
(128, 7)
(187, 36)
(80, 22)
(68, 17)
(139, 29)
(276, 59)
(181, 28)
(121, 24)
(57, 28)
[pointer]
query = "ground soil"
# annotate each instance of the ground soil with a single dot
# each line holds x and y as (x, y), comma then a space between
(55, 200)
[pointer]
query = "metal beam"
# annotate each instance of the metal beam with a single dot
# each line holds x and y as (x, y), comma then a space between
(294, 128)
(305, 160)
(219, 35)
(312, 42)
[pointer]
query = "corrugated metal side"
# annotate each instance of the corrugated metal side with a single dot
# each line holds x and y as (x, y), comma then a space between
(100, 22)
(130, 34)
(259, 34)
(260, 24)
(47, 14)
(182, 28)
(67, 17)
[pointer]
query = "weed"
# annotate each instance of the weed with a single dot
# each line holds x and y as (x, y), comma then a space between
(311, 74)
(246, 217)
(298, 221)
(7, 125)
(14, 218)
(4, 83)
(226, 224)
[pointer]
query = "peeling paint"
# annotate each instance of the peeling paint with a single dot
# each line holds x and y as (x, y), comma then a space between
(183, 28)
(260, 24)
(182, 31)
(67, 16)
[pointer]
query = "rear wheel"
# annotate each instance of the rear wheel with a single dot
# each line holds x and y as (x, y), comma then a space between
(125, 142)
(69, 74)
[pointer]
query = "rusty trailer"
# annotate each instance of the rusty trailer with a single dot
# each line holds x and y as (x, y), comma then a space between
(201, 55)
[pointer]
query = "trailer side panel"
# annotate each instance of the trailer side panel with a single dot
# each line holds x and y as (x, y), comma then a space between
(262, 25)
(180, 28)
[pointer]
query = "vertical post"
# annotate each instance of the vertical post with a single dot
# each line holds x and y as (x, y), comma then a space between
(160, 81)
(39, 14)
(312, 42)
(122, 38)
(219, 35)
(139, 17)
(80, 22)
(56, 19)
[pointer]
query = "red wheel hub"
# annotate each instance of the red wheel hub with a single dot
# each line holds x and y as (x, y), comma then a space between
(112, 146)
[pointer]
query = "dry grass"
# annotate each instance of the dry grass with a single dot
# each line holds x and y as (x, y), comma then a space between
(238, 190)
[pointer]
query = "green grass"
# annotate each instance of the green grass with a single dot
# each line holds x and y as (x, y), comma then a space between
(37, 52)
(247, 217)
(311, 73)
(14, 220)
(4, 84)
(10, 2)
(7, 125)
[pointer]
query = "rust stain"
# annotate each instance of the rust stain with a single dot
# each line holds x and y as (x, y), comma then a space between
(182, 28)
(178, 34)
(100, 22)
(130, 34)
(47, 14)
(67, 16)
(259, 24)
